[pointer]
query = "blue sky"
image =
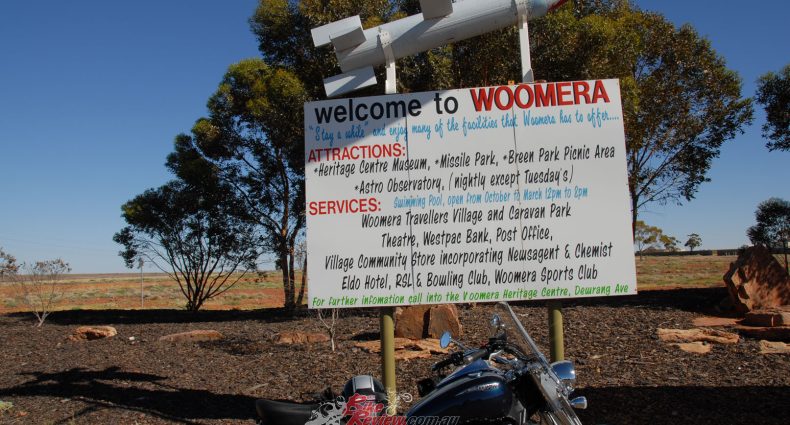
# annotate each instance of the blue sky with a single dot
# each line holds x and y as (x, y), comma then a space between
(92, 93)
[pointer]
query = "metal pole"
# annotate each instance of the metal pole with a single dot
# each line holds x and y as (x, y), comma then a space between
(387, 317)
(556, 337)
(387, 329)
(554, 308)
(142, 302)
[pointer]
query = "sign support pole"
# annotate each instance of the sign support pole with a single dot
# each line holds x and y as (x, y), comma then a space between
(387, 315)
(556, 337)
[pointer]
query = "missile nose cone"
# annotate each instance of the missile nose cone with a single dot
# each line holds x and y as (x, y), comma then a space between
(542, 7)
(556, 4)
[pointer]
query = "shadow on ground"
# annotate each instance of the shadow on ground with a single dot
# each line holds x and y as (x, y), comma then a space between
(686, 405)
(113, 388)
(110, 389)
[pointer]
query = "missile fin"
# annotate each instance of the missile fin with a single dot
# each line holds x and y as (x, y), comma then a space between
(432, 9)
(349, 39)
(347, 32)
(349, 81)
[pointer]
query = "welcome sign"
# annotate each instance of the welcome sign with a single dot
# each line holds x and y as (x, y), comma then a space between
(483, 194)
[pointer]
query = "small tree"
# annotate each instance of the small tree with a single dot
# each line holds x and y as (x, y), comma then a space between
(8, 266)
(38, 288)
(773, 92)
(670, 243)
(693, 241)
(193, 235)
(645, 236)
(773, 224)
(330, 322)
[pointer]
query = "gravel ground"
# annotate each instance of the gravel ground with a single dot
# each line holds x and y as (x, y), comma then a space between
(626, 373)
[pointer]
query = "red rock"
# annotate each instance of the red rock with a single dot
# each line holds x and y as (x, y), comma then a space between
(694, 347)
(406, 349)
(768, 317)
(411, 322)
(713, 322)
(193, 336)
(432, 345)
(287, 338)
(697, 335)
(90, 333)
(772, 347)
(426, 321)
(757, 281)
(443, 318)
(405, 355)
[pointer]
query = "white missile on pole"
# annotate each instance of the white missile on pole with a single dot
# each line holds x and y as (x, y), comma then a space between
(441, 22)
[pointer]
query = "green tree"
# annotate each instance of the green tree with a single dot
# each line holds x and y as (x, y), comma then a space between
(647, 236)
(253, 139)
(694, 240)
(670, 243)
(773, 223)
(773, 92)
(191, 233)
(680, 101)
(283, 31)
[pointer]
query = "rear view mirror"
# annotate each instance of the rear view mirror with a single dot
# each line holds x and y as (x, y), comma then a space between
(445, 340)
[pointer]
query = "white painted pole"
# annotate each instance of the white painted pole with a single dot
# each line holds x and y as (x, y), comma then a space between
(387, 318)
(527, 75)
(553, 307)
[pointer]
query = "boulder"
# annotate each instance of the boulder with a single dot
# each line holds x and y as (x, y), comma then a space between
(772, 347)
(193, 336)
(757, 281)
(697, 335)
(90, 333)
(442, 318)
(287, 338)
(411, 322)
(768, 317)
(694, 347)
(426, 321)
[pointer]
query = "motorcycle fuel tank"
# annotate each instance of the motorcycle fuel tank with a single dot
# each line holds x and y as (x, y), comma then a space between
(475, 392)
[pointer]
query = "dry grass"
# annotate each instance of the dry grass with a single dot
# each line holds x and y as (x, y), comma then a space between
(122, 291)
(692, 271)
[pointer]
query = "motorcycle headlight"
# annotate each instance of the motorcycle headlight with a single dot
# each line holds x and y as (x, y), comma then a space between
(565, 371)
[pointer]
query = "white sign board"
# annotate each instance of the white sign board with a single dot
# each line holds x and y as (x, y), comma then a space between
(472, 195)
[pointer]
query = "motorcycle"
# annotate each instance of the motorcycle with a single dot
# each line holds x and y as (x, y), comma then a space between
(506, 381)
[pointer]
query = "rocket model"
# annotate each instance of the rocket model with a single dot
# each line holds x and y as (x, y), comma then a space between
(441, 22)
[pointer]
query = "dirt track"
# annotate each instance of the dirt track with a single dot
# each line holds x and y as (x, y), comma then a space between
(628, 376)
